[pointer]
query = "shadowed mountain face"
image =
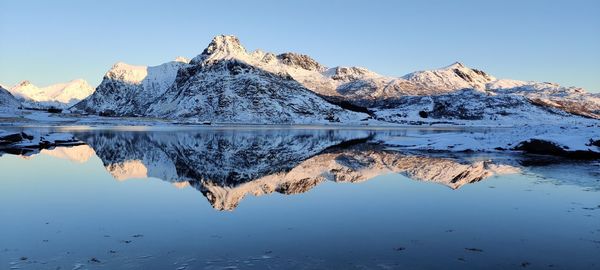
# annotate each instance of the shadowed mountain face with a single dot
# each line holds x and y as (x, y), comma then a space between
(7, 100)
(227, 165)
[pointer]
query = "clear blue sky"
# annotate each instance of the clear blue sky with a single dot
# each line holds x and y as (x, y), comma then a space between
(54, 41)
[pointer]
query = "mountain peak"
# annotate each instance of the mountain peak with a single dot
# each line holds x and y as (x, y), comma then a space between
(222, 47)
(450, 78)
(127, 73)
(455, 65)
(224, 44)
(24, 83)
(350, 73)
(60, 95)
(300, 60)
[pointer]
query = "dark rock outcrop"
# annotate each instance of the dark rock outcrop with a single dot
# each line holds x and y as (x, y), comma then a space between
(300, 60)
(543, 147)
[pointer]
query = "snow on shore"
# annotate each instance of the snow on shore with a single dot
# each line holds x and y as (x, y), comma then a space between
(15, 141)
(560, 140)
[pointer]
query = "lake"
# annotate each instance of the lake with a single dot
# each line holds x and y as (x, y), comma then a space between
(291, 198)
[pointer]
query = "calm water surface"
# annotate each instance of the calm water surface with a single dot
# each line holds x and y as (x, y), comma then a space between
(291, 199)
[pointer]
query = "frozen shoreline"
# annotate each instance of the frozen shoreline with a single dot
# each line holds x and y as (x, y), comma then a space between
(571, 137)
(40, 118)
(570, 141)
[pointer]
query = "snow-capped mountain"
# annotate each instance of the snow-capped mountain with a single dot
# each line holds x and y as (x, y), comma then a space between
(226, 83)
(453, 77)
(233, 91)
(570, 99)
(362, 87)
(458, 77)
(467, 105)
(61, 95)
(128, 90)
(220, 85)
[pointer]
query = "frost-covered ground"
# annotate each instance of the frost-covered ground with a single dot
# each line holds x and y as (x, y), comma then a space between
(562, 140)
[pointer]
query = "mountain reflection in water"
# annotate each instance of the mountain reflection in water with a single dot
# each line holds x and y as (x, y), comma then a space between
(72, 215)
(226, 165)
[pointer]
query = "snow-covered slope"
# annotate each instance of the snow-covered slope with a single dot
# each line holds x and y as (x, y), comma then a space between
(565, 139)
(8, 103)
(61, 95)
(127, 90)
(232, 91)
(7, 100)
(447, 83)
(364, 88)
(570, 99)
(453, 77)
(469, 106)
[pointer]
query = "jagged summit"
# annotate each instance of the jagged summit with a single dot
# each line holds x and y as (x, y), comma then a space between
(221, 47)
(450, 78)
(300, 60)
(23, 83)
(227, 43)
(126, 72)
(350, 73)
(227, 47)
(454, 65)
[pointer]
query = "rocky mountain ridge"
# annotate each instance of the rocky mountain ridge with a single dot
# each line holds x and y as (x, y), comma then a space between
(226, 83)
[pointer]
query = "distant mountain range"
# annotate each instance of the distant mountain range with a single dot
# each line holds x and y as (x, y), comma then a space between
(228, 84)
(61, 95)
